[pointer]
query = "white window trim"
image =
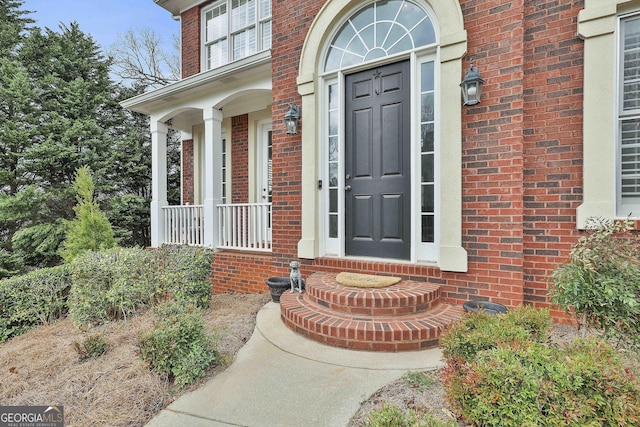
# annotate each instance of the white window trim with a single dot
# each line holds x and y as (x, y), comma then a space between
(264, 127)
(258, 22)
(452, 256)
(597, 25)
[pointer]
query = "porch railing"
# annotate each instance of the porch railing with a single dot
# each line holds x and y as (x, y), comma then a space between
(184, 224)
(245, 226)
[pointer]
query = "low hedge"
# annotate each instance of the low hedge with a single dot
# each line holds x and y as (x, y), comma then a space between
(114, 284)
(501, 372)
(478, 332)
(35, 298)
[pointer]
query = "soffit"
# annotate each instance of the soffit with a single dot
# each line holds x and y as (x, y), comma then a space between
(176, 7)
(239, 74)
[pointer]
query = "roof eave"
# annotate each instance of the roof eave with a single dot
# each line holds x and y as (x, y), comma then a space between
(149, 102)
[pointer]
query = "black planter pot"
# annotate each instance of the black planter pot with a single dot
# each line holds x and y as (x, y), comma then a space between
(278, 285)
(487, 307)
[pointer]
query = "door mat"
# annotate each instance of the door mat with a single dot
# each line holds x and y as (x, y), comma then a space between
(366, 280)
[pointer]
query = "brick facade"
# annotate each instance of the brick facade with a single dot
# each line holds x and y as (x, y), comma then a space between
(190, 41)
(187, 172)
(553, 139)
(240, 159)
(521, 153)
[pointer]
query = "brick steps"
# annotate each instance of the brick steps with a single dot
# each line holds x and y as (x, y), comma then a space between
(406, 316)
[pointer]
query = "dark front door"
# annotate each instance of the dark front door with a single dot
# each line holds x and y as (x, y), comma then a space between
(377, 164)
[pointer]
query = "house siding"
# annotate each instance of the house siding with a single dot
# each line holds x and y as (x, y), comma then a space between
(521, 153)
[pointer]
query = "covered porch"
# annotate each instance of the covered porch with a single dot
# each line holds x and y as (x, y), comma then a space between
(223, 117)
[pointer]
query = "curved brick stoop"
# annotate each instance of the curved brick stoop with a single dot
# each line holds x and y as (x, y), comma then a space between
(402, 317)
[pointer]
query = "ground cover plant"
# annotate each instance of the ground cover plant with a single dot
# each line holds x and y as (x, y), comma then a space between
(392, 416)
(500, 371)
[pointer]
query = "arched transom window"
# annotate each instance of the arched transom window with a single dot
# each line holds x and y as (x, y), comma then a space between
(379, 30)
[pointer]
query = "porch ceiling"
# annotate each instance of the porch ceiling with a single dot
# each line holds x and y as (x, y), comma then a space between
(236, 75)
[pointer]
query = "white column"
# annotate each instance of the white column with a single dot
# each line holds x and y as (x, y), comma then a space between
(158, 181)
(212, 167)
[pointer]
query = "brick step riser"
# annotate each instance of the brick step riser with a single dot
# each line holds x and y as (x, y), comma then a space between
(376, 333)
(398, 300)
(362, 344)
(404, 317)
(379, 308)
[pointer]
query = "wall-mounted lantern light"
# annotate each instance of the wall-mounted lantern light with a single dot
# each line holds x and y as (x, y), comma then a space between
(291, 118)
(472, 86)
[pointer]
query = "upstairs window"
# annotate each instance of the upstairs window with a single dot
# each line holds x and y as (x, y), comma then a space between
(235, 29)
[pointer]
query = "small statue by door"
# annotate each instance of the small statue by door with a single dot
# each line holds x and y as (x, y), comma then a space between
(295, 277)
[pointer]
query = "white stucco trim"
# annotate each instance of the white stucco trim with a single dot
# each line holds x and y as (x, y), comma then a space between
(453, 43)
(597, 25)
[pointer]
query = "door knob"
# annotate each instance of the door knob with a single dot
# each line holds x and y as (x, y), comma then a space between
(347, 188)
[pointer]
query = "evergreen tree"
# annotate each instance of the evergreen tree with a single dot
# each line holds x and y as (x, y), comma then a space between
(90, 231)
(17, 121)
(13, 23)
(59, 111)
(64, 105)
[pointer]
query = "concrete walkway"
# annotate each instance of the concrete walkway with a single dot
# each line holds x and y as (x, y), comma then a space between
(280, 378)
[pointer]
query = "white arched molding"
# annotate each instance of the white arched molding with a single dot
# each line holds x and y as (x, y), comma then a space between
(596, 26)
(452, 48)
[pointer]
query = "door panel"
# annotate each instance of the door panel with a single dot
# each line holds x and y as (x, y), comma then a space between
(363, 127)
(392, 146)
(377, 162)
(392, 216)
(362, 217)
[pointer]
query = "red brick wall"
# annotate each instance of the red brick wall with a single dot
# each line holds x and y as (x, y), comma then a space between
(240, 159)
(552, 139)
(521, 152)
(240, 273)
(190, 28)
(492, 155)
(291, 21)
(187, 172)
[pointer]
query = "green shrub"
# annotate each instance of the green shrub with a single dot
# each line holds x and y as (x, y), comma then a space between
(178, 345)
(500, 372)
(183, 271)
(91, 347)
(584, 384)
(111, 285)
(479, 331)
(32, 299)
(392, 416)
(600, 285)
(114, 284)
